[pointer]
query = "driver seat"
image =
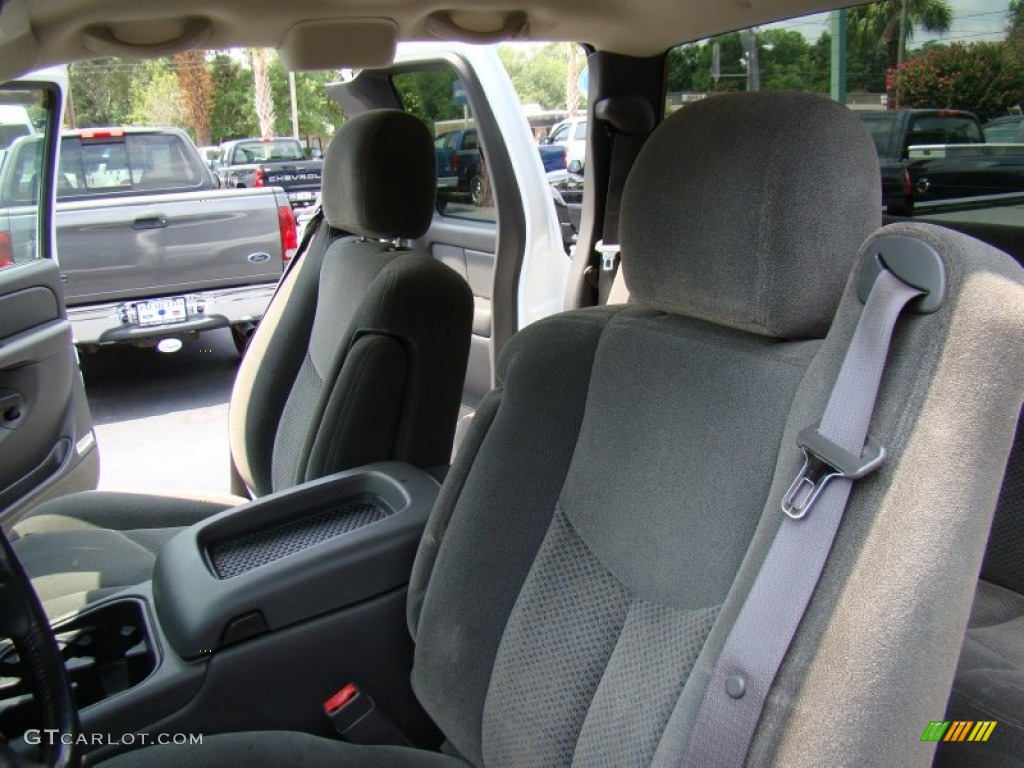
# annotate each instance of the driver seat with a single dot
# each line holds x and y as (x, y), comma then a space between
(617, 491)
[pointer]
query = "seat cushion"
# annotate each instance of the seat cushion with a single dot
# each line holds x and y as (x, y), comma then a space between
(273, 749)
(84, 546)
(989, 683)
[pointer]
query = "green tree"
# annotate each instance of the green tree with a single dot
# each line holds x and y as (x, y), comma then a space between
(319, 114)
(428, 95)
(878, 24)
(102, 90)
(983, 78)
(156, 98)
(232, 116)
(538, 75)
(1015, 30)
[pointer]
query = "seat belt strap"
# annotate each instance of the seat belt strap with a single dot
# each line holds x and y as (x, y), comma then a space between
(625, 148)
(836, 452)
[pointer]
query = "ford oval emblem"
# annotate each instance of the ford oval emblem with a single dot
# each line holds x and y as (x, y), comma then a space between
(257, 258)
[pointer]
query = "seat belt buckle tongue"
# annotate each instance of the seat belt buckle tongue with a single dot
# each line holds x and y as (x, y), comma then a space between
(609, 255)
(823, 461)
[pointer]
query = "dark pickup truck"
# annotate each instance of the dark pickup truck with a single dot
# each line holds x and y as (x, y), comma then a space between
(939, 154)
(278, 162)
(458, 164)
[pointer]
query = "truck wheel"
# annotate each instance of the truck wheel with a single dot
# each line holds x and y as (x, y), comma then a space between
(241, 334)
(476, 190)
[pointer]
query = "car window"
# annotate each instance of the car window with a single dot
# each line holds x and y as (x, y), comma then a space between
(268, 150)
(98, 163)
(953, 69)
(438, 98)
(1004, 133)
(581, 131)
(881, 128)
(23, 179)
(561, 133)
(943, 130)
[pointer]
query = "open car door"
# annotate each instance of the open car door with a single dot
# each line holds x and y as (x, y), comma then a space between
(47, 446)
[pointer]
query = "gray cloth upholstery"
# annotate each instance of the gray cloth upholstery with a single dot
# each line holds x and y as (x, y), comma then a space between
(360, 358)
(85, 546)
(989, 682)
(602, 525)
(382, 378)
(380, 176)
(702, 228)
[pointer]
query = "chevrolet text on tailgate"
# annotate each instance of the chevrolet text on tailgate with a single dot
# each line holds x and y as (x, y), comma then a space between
(281, 162)
(149, 246)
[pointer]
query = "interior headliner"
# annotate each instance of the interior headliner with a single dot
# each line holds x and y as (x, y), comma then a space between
(36, 33)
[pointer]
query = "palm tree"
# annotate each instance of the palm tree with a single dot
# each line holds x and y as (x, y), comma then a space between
(878, 24)
(263, 100)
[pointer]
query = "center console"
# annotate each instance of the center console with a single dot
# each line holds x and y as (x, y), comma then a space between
(290, 557)
(256, 615)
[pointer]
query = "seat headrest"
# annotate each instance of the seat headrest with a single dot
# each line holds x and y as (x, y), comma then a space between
(380, 176)
(747, 210)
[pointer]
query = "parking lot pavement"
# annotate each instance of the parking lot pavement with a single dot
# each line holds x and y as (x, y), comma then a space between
(162, 419)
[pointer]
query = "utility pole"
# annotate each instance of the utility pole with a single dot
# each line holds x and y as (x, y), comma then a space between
(69, 106)
(295, 106)
(748, 38)
(838, 29)
(901, 54)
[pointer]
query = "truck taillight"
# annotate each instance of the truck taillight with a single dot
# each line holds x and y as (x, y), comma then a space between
(908, 186)
(289, 234)
(455, 164)
(258, 180)
(6, 250)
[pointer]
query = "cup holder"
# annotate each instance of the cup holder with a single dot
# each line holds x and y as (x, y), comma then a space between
(107, 650)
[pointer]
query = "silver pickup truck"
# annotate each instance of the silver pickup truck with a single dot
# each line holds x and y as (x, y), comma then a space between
(148, 244)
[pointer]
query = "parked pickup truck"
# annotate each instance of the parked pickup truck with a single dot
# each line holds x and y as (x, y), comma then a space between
(278, 162)
(149, 247)
(938, 154)
(459, 171)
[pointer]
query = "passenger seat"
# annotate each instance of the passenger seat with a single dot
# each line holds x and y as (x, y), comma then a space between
(989, 682)
(360, 358)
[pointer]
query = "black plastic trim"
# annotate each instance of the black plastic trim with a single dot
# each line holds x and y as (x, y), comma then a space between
(195, 607)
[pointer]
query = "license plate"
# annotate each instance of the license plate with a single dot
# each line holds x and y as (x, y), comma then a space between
(161, 311)
(301, 195)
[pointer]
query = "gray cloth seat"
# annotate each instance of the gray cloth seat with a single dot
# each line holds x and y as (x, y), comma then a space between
(616, 492)
(989, 682)
(360, 357)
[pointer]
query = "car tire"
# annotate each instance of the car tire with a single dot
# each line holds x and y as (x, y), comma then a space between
(476, 190)
(241, 334)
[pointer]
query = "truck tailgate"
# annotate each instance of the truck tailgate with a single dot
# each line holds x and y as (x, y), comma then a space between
(292, 175)
(156, 245)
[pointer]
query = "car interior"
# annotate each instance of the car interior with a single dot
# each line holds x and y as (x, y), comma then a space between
(754, 496)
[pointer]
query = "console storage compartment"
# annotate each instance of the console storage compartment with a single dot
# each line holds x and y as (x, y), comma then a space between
(291, 556)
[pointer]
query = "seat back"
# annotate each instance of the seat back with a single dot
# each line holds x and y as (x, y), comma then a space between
(362, 353)
(616, 493)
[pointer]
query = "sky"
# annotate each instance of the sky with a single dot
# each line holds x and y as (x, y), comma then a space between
(973, 21)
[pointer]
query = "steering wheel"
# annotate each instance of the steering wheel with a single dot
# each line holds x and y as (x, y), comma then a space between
(23, 620)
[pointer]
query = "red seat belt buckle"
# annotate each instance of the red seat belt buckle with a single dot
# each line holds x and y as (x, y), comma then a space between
(347, 707)
(358, 720)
